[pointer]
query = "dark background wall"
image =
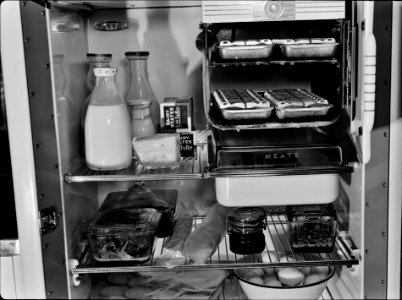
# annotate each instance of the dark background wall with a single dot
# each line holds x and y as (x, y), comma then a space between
(8, 224)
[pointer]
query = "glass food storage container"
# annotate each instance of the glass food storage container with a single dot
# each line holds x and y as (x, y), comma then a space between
(312, 228)
(164, 201)
(123, 234)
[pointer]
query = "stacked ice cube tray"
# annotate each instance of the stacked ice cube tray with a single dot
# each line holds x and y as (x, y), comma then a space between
(239, 104)
(288, 103)
(242, 99)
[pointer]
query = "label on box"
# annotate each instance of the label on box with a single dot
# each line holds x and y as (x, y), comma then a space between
(176, 114)
(175, 117)
(187, 148)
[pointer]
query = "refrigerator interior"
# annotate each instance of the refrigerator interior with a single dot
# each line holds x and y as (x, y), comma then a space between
(176, 69)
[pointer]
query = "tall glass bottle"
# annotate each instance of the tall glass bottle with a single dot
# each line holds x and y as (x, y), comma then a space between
(66, 113)
(95, 60)
(107, 125)
(140, 95)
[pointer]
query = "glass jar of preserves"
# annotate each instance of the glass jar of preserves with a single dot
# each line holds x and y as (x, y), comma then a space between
(245, 227)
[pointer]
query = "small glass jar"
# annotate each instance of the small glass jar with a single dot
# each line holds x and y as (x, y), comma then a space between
(245, 227)
(142, 124)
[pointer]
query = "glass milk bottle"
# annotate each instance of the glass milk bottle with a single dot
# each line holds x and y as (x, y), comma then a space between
(96, 60)
(107, 125)
(140, 95)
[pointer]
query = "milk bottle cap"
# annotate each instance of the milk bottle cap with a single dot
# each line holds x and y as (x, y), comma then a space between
(105, 71)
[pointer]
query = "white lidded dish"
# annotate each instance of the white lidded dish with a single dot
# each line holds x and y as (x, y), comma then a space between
(277, 190)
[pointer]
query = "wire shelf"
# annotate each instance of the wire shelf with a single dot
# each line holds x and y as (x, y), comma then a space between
(277, 245)
(191, 168)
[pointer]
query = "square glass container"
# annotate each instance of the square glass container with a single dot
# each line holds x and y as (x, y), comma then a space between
(312, 228)
(123, 234)
(168, 197)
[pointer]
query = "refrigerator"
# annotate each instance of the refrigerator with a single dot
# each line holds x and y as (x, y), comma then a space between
(350, 157)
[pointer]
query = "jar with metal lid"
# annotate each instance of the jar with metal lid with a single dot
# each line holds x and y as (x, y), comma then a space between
(245, 227)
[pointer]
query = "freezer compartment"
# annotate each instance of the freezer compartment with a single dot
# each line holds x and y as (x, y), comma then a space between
(320, 68)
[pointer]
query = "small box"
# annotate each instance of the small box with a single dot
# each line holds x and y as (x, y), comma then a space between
(176, 114)
(312, 228)
(187, 147)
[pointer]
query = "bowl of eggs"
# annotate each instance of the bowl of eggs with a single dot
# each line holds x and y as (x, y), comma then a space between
(304, 282)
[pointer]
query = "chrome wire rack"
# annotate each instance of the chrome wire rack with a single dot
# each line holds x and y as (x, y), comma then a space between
(277, 246)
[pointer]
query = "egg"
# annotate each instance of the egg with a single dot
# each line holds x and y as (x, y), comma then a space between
(284, 259)
(258, 272)
(256, 280)
(290, 276)
(267, 278)
(243, 272)
(312, 278)
(269, 271)
(274, 283)
(305, 270)
(269, 256)
(323, 270)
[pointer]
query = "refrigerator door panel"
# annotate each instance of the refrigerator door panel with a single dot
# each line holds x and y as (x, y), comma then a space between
(395, 160)
(23, 166)
(377, 201)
